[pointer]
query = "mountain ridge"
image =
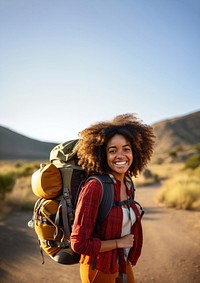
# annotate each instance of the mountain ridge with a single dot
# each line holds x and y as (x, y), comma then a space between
(17, 146)
(178, 132)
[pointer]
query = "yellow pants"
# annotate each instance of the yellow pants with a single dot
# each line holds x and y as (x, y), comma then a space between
(95, 276)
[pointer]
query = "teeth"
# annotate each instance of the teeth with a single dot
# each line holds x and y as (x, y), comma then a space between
(120, 163)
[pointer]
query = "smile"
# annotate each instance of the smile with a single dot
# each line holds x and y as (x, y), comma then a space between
(120, 163)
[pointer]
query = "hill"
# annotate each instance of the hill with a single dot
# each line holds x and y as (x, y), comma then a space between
(179, 134)
(14, 146)
(172, 135)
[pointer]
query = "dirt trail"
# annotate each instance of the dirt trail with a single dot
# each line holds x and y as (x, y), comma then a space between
(171, 252)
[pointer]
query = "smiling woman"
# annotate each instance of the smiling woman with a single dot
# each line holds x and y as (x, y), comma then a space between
(91, 148)
(119, 155)
(120, 149)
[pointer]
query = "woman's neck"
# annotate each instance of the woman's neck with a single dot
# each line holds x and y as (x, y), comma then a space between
(119, 177)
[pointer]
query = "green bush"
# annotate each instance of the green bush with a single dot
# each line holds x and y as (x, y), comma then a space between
(197, 147)
(193, 162)
(7, 182)
(27, 170)
(173, 154)
(159, 161)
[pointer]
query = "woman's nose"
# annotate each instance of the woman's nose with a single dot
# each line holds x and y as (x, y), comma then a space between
(120, 153)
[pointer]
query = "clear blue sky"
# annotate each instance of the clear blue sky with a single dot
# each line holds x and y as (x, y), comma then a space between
(67, 64)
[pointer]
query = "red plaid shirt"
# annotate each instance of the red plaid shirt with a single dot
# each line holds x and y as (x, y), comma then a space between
(88, 243)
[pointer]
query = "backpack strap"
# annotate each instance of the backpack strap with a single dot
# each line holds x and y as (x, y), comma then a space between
(107, 197)
(63, 207)
(127, 203)
(130, 185)
(66, 207)
(123, 202)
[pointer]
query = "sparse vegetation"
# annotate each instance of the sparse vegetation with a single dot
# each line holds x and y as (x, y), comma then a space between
(147, 178)
(27, 169)
(193, 162)
(8, 179)
(180, 185)
(15, 185)
(7, 182)
(197, 147)
(159, 161)
(166, 170)
(21, 197)
(173, 154)
(181, 192)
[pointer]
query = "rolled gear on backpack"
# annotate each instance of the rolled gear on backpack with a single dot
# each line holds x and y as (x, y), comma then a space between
(47, 182)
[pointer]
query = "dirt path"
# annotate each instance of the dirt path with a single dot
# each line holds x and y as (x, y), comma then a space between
(171, 252)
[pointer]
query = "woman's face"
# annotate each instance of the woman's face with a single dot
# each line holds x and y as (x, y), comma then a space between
(119, 155)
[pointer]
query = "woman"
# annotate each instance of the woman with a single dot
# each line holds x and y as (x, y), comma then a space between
(120, 148)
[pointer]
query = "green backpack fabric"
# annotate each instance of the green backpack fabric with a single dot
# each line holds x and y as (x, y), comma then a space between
(58, 185)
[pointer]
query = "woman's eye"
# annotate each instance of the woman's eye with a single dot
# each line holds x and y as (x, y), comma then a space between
(112, 151)
(127, 149)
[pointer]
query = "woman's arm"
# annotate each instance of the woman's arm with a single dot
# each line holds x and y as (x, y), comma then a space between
(124, 242)
(82, 241)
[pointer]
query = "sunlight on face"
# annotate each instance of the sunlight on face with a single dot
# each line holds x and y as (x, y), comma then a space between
(119, 155)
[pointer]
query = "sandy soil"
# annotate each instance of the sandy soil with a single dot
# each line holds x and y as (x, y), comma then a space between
(171, 251)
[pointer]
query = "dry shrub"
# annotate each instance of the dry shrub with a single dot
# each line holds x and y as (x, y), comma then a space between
(20, 195)
(181, 192)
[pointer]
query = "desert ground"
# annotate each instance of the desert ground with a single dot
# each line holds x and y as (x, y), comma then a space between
(171, 251)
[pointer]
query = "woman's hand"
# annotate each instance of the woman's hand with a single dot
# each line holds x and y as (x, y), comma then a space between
(125, 242)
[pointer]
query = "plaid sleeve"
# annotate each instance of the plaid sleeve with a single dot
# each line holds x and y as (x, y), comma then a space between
(82, 240)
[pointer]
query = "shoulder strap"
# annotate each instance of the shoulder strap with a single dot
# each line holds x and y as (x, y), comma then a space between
(132, 186)
(107, 198)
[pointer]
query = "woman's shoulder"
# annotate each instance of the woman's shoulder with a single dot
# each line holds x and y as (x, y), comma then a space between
(98, 180)
(92, 183)
(92, 186)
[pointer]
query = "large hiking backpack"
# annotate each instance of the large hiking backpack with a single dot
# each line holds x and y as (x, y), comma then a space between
(58, 184)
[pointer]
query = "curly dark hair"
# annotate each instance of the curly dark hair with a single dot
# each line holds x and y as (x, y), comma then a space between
(91, 148)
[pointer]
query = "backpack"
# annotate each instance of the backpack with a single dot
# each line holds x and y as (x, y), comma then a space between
(58, 184)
